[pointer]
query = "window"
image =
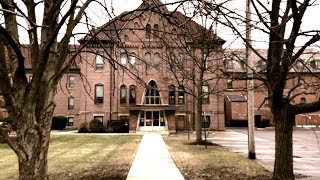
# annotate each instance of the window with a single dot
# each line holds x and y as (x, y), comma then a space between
(99, 61)
(152, 95)
(70, 121)
(71, 81)
(132, 95)
(157, 61)
(228, 64)
(156, 30)
(205, 121)
(71, 103)
(205, 60)
(181, 95)
(229, 83)
(148, 31)
(299, 64)
(205, 94)
(303, 100)
(133, 61)
(30, 78)
(100, 118)
(126, 37)
(99, 94)
(181, 60)
(172, 59)
(302, 83)
(123, 59)
(123, 94)
(266, 102)
(148, 61)
(172, 97)
(174, 33)
(315, 64)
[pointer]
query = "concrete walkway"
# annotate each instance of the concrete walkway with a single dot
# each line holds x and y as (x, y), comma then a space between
(153, 161)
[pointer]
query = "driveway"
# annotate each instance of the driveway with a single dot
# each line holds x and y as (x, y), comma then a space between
(306, 148)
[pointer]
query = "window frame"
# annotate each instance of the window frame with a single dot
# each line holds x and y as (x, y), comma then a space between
(123, 94)
(205, 94)
(148, 31)
(98, 99)
(99, 61)
(71, 83)
(132, 96)
(181, 93)
(172, 94)
(70, 123)
(71, 102)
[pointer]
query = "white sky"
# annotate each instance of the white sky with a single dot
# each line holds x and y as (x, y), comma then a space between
(99, 17)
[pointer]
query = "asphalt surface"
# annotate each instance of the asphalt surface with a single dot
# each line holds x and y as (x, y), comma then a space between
(306, 148)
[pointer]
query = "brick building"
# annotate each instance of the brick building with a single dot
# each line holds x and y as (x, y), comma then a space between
(141, 66)
(129, 69)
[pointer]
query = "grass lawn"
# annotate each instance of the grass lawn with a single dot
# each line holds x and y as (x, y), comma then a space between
(215, 162)
(80, 157)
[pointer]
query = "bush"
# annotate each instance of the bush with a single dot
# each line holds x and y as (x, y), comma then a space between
(83, 128)
(96, 126)
(118, 126)
(59, 122)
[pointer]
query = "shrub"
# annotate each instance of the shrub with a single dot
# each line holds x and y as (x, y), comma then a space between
(59, 122)
(83, 128)
(96, 126)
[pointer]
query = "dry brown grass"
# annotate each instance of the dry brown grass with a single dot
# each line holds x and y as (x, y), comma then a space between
(215, 162)
(81, 157)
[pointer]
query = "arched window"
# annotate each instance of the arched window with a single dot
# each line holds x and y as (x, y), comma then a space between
(303, 100)
(132, 95)
(181, 95)
(123, 94)
(156, 30)
(133, 61)
(172, 98)
(148, 61)
(181, 60)
(152, 95)
(123, 59)
(157, 61)
(148, 31)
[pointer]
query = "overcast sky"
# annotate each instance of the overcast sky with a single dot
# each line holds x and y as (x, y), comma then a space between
(99, 17)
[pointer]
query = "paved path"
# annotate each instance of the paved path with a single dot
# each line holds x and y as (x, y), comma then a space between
(305, 148)
(153, 161)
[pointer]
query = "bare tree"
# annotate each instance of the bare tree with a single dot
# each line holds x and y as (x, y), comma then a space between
(30, 104)
(282, 23)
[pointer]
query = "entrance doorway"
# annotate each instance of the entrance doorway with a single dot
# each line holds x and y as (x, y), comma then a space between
(152, 121)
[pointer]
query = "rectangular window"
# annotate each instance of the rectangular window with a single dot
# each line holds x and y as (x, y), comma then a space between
(229, 84)
(172, 98)
(100, 118)
(71, 81)
(71, 103)
(99, 94)
(70, 121)
(206, 121)
(133, 62)
(180, 95)
(205, 94)
(99, 61)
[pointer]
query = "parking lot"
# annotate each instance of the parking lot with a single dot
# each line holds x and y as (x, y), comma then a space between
(306, 148)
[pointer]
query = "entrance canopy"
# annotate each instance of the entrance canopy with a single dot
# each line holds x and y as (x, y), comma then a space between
(151, 107)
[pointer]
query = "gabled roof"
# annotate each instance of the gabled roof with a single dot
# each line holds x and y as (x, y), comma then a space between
(109, 32)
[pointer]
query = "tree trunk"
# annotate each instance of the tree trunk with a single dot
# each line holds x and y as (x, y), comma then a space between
(283, 165)
(199, 119)
(33, 151)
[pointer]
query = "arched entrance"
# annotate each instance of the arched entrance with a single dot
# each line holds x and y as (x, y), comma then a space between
(152, 118)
